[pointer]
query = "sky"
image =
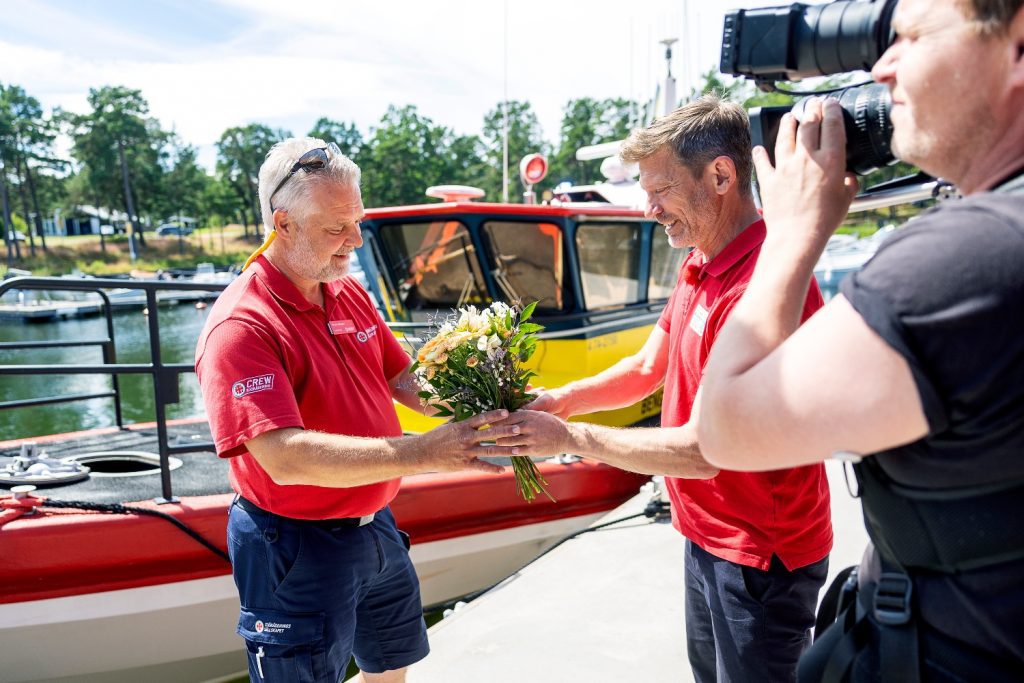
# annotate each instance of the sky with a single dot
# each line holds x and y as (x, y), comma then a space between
(207, 65)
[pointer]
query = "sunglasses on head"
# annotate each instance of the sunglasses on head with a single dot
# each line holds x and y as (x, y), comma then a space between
(310, 162)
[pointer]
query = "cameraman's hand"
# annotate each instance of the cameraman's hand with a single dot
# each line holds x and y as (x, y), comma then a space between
(808, 192)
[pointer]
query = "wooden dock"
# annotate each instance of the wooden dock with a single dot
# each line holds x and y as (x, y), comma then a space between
(604, 607)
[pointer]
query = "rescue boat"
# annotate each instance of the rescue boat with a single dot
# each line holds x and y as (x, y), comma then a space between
(115, 566)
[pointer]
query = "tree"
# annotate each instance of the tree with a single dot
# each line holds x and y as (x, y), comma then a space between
(524, 137)
(405, 154)
(28, 143)
(121, 148)
(183, 184)
(240, 153)
(345, 135)
(587, 121)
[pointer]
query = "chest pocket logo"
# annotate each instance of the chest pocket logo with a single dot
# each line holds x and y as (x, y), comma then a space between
(367, 334)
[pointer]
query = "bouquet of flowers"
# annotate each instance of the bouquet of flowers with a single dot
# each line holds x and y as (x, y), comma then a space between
(475, 364)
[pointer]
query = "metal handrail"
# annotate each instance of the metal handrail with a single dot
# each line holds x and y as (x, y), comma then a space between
(165, 376)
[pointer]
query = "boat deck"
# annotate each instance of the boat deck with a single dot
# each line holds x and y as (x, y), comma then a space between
(606, 606)
(202, 472)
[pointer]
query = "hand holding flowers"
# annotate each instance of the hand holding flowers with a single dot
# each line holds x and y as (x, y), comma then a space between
(476, 364)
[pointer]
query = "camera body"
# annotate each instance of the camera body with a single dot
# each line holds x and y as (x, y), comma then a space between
(799, 41)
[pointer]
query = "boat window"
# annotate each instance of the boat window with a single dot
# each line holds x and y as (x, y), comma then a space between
(665, 264)
(528, 264)
(609, 256)
(433, 265)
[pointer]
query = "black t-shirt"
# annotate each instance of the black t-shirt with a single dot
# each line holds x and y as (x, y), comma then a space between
(947, 293)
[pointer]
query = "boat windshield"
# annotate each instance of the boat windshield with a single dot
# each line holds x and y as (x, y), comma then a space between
(528, 262)
(609, 255)
(434, 265)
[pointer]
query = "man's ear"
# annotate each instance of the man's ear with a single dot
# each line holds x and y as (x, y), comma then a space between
(283, 223)
(1016, 34)
(723, 174)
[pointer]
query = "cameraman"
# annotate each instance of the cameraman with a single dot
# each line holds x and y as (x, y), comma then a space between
(918, 364)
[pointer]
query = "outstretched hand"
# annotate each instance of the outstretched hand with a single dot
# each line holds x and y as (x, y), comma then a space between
(549, 402)
(540, 434)
(808, 192)
(459, 446)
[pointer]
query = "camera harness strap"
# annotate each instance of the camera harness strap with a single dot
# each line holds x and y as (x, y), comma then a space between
(917, 529)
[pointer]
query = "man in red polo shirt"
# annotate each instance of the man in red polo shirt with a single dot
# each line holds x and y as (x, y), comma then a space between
(757, 543)
(299, 375)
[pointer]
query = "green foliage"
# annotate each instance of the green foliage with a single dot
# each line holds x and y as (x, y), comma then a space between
(408, 152)
(240, 153)
(345, 135)
(588, 121)
(122, 150)
(524, 137)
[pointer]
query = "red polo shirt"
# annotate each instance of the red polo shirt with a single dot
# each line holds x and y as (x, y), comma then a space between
(743, 517)
(268, 359)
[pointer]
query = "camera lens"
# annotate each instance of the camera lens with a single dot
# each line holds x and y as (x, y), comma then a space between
(799, 41)
(868, 127)
(842, 36)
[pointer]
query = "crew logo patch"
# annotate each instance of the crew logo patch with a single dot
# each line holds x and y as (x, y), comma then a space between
(367, 334)
(259, 626)
(252, 385)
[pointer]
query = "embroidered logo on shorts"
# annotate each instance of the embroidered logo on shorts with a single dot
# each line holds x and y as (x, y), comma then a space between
(251, 385)
(270, 627)
(367, 334)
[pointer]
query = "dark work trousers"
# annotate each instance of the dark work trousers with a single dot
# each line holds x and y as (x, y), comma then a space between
(745, 624)
(313, 595)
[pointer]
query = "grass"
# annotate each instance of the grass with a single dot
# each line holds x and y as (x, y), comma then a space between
(221, 246)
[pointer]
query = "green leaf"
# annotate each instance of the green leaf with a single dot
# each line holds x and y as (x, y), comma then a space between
(527, 312)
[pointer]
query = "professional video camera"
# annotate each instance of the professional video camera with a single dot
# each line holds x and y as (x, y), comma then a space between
(798, 41)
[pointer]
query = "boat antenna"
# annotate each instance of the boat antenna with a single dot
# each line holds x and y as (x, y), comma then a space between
(670, 81)
(504, 128)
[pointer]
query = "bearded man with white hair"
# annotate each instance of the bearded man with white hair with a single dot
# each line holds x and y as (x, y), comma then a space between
(299, 376)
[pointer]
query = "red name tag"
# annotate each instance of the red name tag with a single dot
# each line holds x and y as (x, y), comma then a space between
(341, 326)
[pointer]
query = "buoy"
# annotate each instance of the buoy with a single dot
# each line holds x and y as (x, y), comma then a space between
(145, 311)
(200, 305)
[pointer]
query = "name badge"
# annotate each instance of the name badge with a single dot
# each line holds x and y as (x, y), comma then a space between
(341, 326)
(698, 320)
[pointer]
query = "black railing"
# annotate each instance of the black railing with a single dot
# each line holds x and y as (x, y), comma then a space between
(164, 376)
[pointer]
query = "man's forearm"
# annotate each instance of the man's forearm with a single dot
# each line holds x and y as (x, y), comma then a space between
(297, 456)
(335, 461)
(670, 451)
(623, 384)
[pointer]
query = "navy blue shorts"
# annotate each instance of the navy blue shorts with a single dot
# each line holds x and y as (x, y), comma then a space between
(745, 624)
(313, 596)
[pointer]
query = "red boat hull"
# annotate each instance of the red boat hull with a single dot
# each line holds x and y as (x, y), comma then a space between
(63, 553)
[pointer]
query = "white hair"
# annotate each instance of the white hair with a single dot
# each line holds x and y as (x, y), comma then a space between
(294, 194)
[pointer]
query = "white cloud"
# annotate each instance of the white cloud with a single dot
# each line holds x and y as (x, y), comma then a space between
(291, 63)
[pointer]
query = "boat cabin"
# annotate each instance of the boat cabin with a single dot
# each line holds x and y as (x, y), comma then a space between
(600, 273)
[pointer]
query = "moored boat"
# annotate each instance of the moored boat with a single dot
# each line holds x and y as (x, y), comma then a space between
(124, 567)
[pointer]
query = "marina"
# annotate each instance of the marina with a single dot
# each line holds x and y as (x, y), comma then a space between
(130, 492)
(604, 607)
(135, 503)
